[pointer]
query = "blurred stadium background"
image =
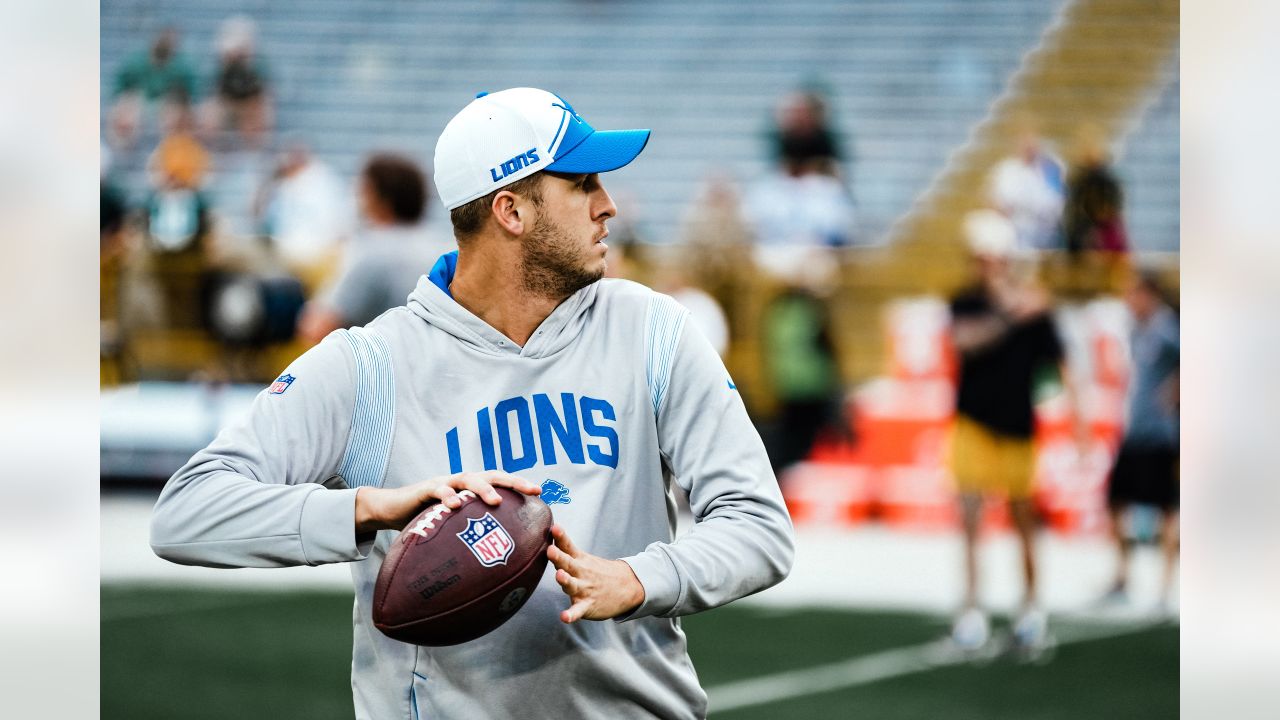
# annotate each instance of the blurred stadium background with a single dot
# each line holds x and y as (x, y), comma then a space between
(916, 102)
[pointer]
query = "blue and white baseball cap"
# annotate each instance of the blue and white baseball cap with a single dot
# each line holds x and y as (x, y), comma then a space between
(504, 136)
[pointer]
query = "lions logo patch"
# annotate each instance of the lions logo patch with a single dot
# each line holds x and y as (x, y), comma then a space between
(554, 492)
(488, 540)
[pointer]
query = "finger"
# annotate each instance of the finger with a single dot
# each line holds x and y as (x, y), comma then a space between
(561, 539)
(482, 488)
(576, 611)
(447, 495)
(568, 583)
(428, 491)
(515, 482)
(560, 559)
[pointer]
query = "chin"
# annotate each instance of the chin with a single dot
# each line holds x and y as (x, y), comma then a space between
(598, 269)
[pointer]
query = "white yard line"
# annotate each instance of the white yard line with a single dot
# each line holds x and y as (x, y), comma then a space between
(871, 668)
(820, 679)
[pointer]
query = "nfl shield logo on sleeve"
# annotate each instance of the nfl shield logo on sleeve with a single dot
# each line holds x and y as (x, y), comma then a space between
(281, 384)
(488, 540)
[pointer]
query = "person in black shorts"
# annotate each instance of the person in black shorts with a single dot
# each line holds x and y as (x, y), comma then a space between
(1146, 467)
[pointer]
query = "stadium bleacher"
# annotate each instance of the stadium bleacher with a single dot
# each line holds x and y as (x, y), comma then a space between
(1149, 166)
(907, 80)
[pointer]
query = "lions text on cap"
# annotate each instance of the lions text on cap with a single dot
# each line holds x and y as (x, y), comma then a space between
(505, 136)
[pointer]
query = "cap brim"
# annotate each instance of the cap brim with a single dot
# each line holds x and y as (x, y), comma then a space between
(602, 151)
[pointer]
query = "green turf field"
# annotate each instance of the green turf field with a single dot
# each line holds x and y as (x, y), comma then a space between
(182, 653)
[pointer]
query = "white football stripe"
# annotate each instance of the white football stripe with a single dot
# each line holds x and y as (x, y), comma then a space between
(867, 669)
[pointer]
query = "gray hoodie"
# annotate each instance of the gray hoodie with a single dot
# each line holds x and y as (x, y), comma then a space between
(612, 399)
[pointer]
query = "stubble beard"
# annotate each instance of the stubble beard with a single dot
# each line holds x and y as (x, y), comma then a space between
(550, 266)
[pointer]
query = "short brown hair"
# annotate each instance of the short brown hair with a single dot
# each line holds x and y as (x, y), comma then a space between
(399, 184)
(469, 218)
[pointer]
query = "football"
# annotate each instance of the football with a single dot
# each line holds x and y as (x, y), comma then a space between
(453, 575)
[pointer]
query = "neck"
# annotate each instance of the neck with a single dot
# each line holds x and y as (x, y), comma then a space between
(487, 284)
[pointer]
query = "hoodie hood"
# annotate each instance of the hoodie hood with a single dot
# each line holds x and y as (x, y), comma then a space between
(432, 301)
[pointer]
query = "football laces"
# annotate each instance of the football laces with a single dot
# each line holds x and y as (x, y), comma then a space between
(435, 514)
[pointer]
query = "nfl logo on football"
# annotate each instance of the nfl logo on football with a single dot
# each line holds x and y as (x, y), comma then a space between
(488, 540)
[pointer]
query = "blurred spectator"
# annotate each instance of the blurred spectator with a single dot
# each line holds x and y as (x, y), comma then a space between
(129, 294)
(715, 234)
(112, 205)
(716, 244)
(383, 263)
(158, 81)
(177, 211)
(240, 96)
(111, 221)
(178, 224)
(1146, 468)
(306, 210)
(1028, 188)
(803, 141)
(800, 359)
(802, 203)
(703, 309)
(795, 212)
(1094, 218)
(1005, 337)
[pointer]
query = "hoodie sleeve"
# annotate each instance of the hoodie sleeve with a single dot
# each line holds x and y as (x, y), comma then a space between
(742, 539)
(258, 495)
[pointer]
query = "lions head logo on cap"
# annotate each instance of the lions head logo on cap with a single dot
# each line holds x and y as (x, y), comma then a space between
(571, 131)
(565, 106)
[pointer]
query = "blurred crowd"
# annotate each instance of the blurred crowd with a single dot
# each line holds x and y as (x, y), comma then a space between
(187, 293)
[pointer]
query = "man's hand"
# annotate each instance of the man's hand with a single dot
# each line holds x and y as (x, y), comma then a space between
(971, 334)
(1030, 302)
(393, 508)
(598, 589)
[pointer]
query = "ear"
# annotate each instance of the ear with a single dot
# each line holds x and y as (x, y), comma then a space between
(511, 212)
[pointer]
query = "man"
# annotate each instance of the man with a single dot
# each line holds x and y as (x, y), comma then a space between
(1027, 186)
(802, 366)
(382, 264)
(158, 81)
(1146, 467)
(305, 207)
(1005, 338)
(513, 365)
(1094, 217)
(240, 96)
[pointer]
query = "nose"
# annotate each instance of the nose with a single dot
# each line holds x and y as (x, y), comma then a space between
(602, 207)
